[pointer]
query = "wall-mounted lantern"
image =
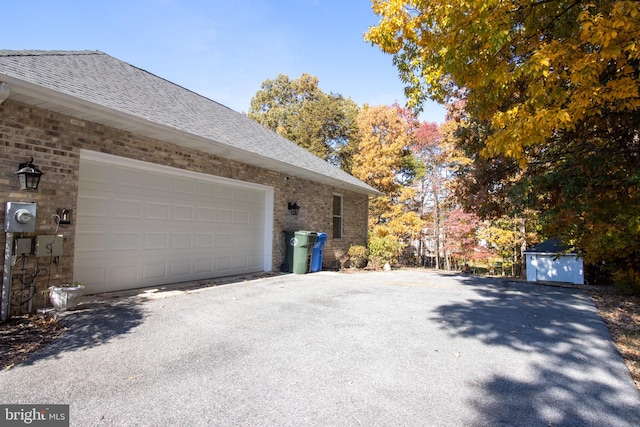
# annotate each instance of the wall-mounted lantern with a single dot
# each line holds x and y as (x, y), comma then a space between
(29, 175)
(294, 208)
(64, 216)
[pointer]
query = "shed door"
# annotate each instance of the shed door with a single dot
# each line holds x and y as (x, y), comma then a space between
(139, 224)
(555, 270)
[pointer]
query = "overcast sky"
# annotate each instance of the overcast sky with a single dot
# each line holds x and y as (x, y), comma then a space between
(222, 49)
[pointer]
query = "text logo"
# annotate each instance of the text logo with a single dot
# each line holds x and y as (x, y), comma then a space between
(34, 415)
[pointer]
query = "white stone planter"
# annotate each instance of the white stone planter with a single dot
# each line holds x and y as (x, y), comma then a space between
(65, 297)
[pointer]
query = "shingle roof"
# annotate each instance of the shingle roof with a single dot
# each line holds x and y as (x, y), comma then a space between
(551, 246)
(105, 81)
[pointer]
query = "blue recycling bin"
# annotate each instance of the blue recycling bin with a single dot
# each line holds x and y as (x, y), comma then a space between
(316, 256)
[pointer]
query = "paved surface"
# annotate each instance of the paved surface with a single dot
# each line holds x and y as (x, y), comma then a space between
(377, 349)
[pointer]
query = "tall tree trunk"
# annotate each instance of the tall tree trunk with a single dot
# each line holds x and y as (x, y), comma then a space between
(436, 200)
(523, 246)
(514, 263)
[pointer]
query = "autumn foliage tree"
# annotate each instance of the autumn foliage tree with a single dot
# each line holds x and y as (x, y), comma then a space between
(552, 97)
(461, 241)
(384, 160)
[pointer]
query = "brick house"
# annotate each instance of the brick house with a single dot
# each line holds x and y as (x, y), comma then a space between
(163, 185)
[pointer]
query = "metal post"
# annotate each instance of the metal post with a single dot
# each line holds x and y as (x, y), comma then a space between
(5, 302)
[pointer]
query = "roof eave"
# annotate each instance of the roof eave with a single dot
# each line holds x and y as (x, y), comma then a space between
(42, 97)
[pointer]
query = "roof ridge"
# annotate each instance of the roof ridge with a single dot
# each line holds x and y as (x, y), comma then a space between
(42, 52)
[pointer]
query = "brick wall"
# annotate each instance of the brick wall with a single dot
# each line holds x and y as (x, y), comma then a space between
(54, 141)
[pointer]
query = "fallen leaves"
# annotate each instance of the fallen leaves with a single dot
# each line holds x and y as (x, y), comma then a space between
(22, 335)
(622, 316)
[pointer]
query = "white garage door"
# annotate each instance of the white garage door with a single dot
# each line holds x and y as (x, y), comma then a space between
(140, 224)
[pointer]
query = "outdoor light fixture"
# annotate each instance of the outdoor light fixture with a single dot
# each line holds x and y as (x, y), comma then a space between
(29, 175)
(63, 216)
(294, 208)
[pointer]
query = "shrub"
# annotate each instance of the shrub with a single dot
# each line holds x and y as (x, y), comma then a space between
(627, 282)
(383, 250)
(342, 257)
(358, 255)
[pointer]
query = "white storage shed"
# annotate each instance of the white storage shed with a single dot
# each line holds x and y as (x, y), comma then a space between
(551, 261)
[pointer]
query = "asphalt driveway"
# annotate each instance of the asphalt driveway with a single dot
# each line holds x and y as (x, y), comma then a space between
(403, 348)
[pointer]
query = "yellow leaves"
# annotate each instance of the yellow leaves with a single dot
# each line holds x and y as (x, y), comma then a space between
(383, 135)
(530, 79)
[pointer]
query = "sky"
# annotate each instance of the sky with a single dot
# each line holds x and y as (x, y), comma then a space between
(222, 49)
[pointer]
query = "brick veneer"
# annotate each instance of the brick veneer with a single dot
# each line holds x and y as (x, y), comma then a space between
(54, 141)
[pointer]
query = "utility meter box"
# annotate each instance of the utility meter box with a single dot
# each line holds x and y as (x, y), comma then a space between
(49, 245)
(23, 247)
(20, 217)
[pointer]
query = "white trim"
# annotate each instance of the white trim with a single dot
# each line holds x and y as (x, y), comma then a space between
(155, 167)
(333, 216)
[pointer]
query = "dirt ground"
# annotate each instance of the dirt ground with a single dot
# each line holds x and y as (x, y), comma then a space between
(622, 316)
(22, 335)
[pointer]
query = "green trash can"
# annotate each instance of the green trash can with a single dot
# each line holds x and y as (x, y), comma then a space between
(289, 240)
(303, 250)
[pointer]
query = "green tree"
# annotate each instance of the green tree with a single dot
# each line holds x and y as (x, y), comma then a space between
(300, 111)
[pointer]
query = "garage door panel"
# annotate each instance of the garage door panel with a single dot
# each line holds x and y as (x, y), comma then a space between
(154, 271)
(121, 276)
(157, 211)
(138, 228)
(94, 276)
(127, 209)
(181, 240)
(156, 241)
(224, 192)
(183, 213)
(159, 183)
(97, 207)
(224, 216)
(180, 268)
(130, 178)
(124, 241)
(205, 214)
(203, 266)
(204, 240)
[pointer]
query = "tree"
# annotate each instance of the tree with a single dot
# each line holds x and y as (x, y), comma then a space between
(300, 111)
(529, 67)
(552, 104)
(384, 160)
(431, 183)
(461, 237)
